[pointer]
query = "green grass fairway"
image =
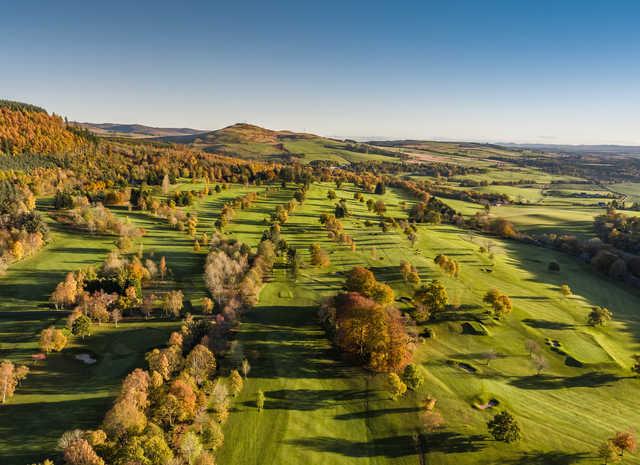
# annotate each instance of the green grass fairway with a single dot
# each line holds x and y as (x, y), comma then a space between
(61, 392)
(319, 409)
(541, 219)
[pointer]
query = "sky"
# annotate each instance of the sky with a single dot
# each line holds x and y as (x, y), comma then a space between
(560, 71)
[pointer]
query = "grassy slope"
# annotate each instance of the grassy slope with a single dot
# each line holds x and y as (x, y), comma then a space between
(566, 411)
(332, 415)
(320, 410)
(62, 393)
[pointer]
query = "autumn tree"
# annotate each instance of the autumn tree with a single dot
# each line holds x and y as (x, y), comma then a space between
(625, 441)
(397, 387)
(212, 435)
(539, 363)
(80, 452)
(147, 305)
(52, 340)
(116, 316)
(531, 346)
(363, 281)
(246, 368)
(166, 184)
(65, 292)
(599, 316)
(127, 415)
(81, 327)
(207, 306)
(10, 378)
(235, 383)
(190, 447)
(319, 256)
(430, 299)
(374, 334)
(163, 267)
(448, 265)
(200, 363)
(260, 400)
(409, 273)
(220, 400)
(173, 303)
(501, 304)
(379, 207)
(608, 452)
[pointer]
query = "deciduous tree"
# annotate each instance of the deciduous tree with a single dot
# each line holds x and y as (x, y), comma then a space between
(503, 427)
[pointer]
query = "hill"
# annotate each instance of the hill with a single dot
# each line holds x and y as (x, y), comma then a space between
(135, 130)
(254, 142)
(15, 106)
(26, 128)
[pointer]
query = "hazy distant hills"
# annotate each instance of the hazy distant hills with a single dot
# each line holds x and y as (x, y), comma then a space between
(254, 142)
(604, 149)
(136, 130)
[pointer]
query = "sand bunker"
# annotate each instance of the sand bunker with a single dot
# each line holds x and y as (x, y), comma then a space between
(492, 403)
(86, 358)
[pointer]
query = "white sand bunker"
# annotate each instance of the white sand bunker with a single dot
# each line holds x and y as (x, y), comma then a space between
(492, 403)
(86, 358)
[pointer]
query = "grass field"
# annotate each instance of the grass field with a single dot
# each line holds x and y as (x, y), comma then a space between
(319, 409)
(632, 190)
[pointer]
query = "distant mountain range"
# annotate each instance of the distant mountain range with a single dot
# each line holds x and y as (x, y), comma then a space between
(136, 130)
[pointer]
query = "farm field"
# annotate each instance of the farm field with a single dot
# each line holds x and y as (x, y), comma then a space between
(632, 190)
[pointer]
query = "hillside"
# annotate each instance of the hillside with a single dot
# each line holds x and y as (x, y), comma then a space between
(25, 128)
(254, 142)
(136, 130)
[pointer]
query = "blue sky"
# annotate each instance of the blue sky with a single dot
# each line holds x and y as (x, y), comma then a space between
(558, 71)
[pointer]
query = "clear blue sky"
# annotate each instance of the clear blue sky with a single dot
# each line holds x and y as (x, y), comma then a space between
(558, 71)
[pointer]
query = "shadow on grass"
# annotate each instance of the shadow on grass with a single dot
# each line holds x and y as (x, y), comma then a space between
(309, 399)
(548, 458)
(547, 324)
(375, 413)
(593, 380)
(393, 446)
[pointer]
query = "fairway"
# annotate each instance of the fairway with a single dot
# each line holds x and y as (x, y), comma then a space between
(319, 408)
(340, 414)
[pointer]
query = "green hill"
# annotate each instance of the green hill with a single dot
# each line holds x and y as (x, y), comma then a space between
(254, 142)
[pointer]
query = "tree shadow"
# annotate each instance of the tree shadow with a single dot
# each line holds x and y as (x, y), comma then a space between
(375, 413)
(592, 380)
(547, 324)
(308, 399)
(548, 458)
(393, 446)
